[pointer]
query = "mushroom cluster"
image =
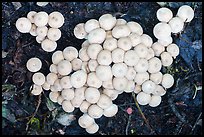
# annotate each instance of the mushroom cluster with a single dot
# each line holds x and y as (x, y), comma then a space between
(45, 27)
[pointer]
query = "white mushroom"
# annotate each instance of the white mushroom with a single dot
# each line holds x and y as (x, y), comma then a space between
(91, 25)
(42, 31)
(154, 65)
(176, 24)
(53, 96)
(120, 83)
(141, 50)
(76, 64)
(79, 31)
(36, 89)
(56, 86)
(159, 91)
(111, 111)
(108, 84)
(93, 80)
(92, 95)
(54, 34)
(155, 101)
(78, 78)
(53, 68)
(93, 50)
(65, 82)
(46, 86)
(141, 66)
(166, 59)
(162, 30)
(67, 94)
(143, 98)
(33, 30)
(39, 39)
(84, 106)
(118, 55)
(173, 49)
(131, 58)
(38, 78)
(148, 86)
(31, 15)
(141, 77)
(34, 64)
(85, 44)
(164, 14)
(121, 31)
(92, 64)
(23, 25)
(130, 86)
(158, 48)
(125, 43)
(79, 97)
(51, 77)
(135, 39)
(146, 40)
(56, 19)
(96, 36)
(104, 101)
(135, 27)
(64, 67)
(137, 89)
(60, 99)
(131, 73)
(113, 94)
(104, 57)
(150, 54)
(57, 57)
(85, 121)
(167, 81)
(120, 22)
(67, 106)
(42, 4)
(92, 129)
(107, 21)
(110, 44)
(156, 77)
(41, 19)
(109, 34)
(119, 69)
(48, 45)
(70, 53)
(95, 111)
(186, 13)
(165, 41)
(83, 54)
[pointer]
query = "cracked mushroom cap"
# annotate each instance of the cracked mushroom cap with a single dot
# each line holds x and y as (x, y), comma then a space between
(68, 94)
(64, 67)
(92, 95)
(141, 77)
(48, 45)
(110, 44)
(91, 25)
(93, 50)
(186, 13)
(166, 59)
(119, 69)
(97, 36)
(67, 106)
(34, 64)
(107, 21)
(93, 128)
(121, 31)
(176, 25)
(70, 53)
(85, 120)
(56, 19)
(38, 78)
(154, 65)
(78, 78)
(36, 89)
(54, 34)
(167, 81)
(120, 83)
(135, 27)
(143, 98)
(162, 30)
(104, 72)
(93, 80)
(164, 14)
(41, 19)
(155, 101)
(23, 25)
(104, 101)
(173, 49)
(31, 15)
(111, 111)
(95, 111)
(79, 31)
(148, 86)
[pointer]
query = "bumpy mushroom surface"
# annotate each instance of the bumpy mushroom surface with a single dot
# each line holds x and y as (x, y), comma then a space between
(107, 21)
(176, 25)
(78, 78)
(164, 14)
(41, 19)
(23, 25)
(186, 13)
(56, 19)
(143, 98)
(34, 64)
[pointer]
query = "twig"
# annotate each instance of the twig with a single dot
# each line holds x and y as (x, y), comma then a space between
(195, 123)
(128, 124)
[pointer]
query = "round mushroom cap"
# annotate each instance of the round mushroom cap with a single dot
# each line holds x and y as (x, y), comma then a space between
(167, 81)
(156, 77)
(97, 36)
(166, 41)
(173, 49)
(91, 25)
(146, 40)
(135, 39)
(39, 39)
(56, 19)
(135, 27)
(42, 3)
(104, 57)
(83, 54)
(120, 22)
(186, 13)
(104, 73)
(54, 34)
(125, 43)
(36, 89)
(56, 86)
(60, 99)
(93, 80)
(119, 69)
(150, 54)
(38, 78)
(68, 94)
(85, 120)
(143, 98)
(65, 82)
(78, 78)
(84, 66)
(51, 77)
(76, 64)
(159, 91)
(79, 97)
(85, 44)
(34, 64)
(92, 95)
(130, 86)
(53, 96)
(131, 58)
(67, 106)
(148, 86)
(92, 129)
(42, 31)
(164, 14)
(141, 50)
(33, 30)
(141, 77)
(166, 59)
(113, 94)
(137, 89)
(118, 55)
(107, 21)
(176, 25)
(141, 66)
(46, 86)
(31, 15)
(70, 53)
(95, 111)
(53, 68)
(64, 67)
(108, 84)
(131, 73)
(121, 31)
(23, 25)
(93, 50)
(48, 45)
(155, 101)
(110, 44)
(104, 101)
(57, 57)
(92, 64)
(41, 19)
(120, 83)
(79, 31)
(158, 48)
(84, 106)
(154, 65)
(110, 111)
(162, 30)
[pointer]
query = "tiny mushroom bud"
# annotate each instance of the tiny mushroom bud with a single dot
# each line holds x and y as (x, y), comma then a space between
(31, 15)
(120, 83)
(113, 94)
(159, 91)
(56, 19)
(76, 64)
(93, 80)
(104, 57)
(92, 64)
(165, 41)
(167, 81)
(23, 25)
(118, 55)
(65, 82)
(143, 98)
(119, 69)
(141, 50)
(33, 30)
(166, 59)
(92, 129)
(67, 94)
(42, 31)
(37, 89)
(54, 34)
(110, 44)
(186, 13)
(156, 77)
(107, 21)
(97, 36)
(83, 54)
(154, 65)
(135, 27)
(173, 49)
(91, 25)
(53, 96)
(41, 19)
(92, 95)
(34, 64)
(125, 43)
(85, 120)
(53, 68)
(64, 67)
(146, 40)
(95, 111)
(141, 77)
(141, 66)
(176, 25)
(78, 78)
(48, 45)
(121, 31)
(135, 39)
(84, 106)
(79, 31)
(120, 22)
(131, 73)
(70, 53)
(38, 78)
(57, 57)
(158, 48)
(67, 106)
(93, 50)
(51, 77)
(131, 58)
(162, 30)
(148, 86)
(155, 101)
(104, 101)
(164, 14)
(111, 111)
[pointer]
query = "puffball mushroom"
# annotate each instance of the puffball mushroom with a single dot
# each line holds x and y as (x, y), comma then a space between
(156, 77)
(143, 98)
(64, 67)
(162, 30)
(85, 44)
(186, 13)
(93, 50)
(60, 99)
(131, 58)
(110, 44)
(154, 65)
(53, 68)
(67, 94)
(125, 43)
(141, 77)
(107, 21)
(79, 31)
(33, 30)
(166, 41)
(104, 101)
(56, 20)
(70, 53)
(93, 80)
(78, 78)
(38, 78)
(113, 94)
(120, 22)
(167, 81)
(83, 54)
(150, 54)
(158, 48)
(96, 36)
(108, 84)
(159, 91)
(141, 50)
(131, 73)
(36, 89)
(130, 86)
(67, 106)
(85, 120)
(142, 65)
(173, 49)
(91, 25)
(65, 82)
(135, 39)
(119, 69)
(54, 34)
(56, 86)
(53, 96)
(76, 64)
(79, 97)
(121, 31)
(176, 25)
(51, 77)
(95, 111)
(92, 64)
(84, 106)
(146, 40)
(92, 95)
(104, 57)
(110, 111)
(23, 25)
(48, 45)
(92, 129)
(41, 19)
(120, 83)
(31, 15)
(42, 31)
(148, 86)
(155, 101)
(46, 86)
(135, 27)
(34, 64)
(164, 14)
(166, 59)
(117, 55)
(137, 89)
(57, 57)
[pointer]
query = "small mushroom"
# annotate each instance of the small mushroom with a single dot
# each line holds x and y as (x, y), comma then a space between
(131, 73)
(159, 91)
(85, 120)
(108, 84)
(111, 111)
(57, 57)
(48, 45)
(120, 22)
(156, 77)
(53, 96)
(34, 64)
(79, 31)
(84, 106)
(31, 15)
(146, 40)
(162, 30)
(65, 82)
(121, 31)
(118, 55)
(51, 77)
(42, 31)
(141, 50)
(135, 39)
(135, 27)
(70, 53)
(67, 106)
(164, 14)
(186, 13)
(33, 30)
(119, 69)
(42, 4)
(46, 86)
(78, 78)
(85, 44)
(36, 89)
(125, 43)
(120, 83)
(166, 59)
(104, 57)
(92, 95)
(173, 49)
(104, 101)
(54, 34)
(39, 39)
(64, 67)
(141, 66)
(113, 94)
(93, 80)
(143, 98)
(131, 58)
(137, 89)
(154, 65)
(148, 86)
(155, 101)
(91, 25)
(97, 36)
(53, 68)
(93, 50)
(56, 86)
(67, 94)
(79, 97)
(107, 21)
(141, 77)
(92, 64)
(41, 19)
(76, 64)
(158, 48)
(83, 54)
(56, 19)
(92, 129)
(167, 81)
(130, 86)
(176, 24)
(60, 99)
(165, 41)
(23, 25)
(150, 54)
(38, 78)
(110, 44)
(95, 111)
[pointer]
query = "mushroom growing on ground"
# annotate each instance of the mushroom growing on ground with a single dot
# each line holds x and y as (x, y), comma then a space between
(38, 78)
(164, 14)
(23, 25)
(36, 89)
(41, 19)
(92, 129)
(186, 13)
(107, 21)
(111, 110)
(95, 111)
(78, 78)
(148, 86)
(34, 64)
(79, 31)
(92, 95)
(167, 81)
(166, 59)
(96, 36)
(104, 73)
(56, 19)
(85, 120)
(54, 34)
(91, 25)
(70, 53)
(48, 45)
(173, 49)
(104, 101)
(162, 30)
(143, 98)
(176, 25)
(155, 101)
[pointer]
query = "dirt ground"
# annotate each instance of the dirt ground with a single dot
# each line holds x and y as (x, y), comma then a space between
(180, 112)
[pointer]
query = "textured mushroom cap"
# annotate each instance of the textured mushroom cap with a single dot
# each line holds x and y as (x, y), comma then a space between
(23, 25)
(166, 59)
(34, 64)
(96, 36)
(119, 69)
(104, 73)
(48, 45)
(135, 27)
(186, 13)
(79, 31)
(42, 31)
(137, 89)
(91, 25)
(67, 106)
(104, 101)
(36, 89)
(158, 48)
(76, 64)
(56, 19)
(70, 53)
(120, 83)
(165, 41)
(92, 64)
(85, 120)
(31, 15)
(54, 34)
(111, 111)
(143, 98)
(42, 3)
(95, 111)
(51, 77)
(92, 129)
(78, 78)
(118, 55)
(164, 14)
(154, 65)
(176, 25)
(131, 58)
(92, 95)
(159, 91)
(67, 94)
(150, 54)
(108, 84)
(131, 73)
(64, 67)
(173, 49)
(125, 43)
(121, 31)
(104, 57)
(60, 99)
(113, 94)
(46, 86)
(135, 39)
(84, 106)
(57, 57)
(93, 50)
(167, 81)
(141, 77)
(141, 50)
(83, 54)
(38, 78)
(53, 96)
(120, 22)
(130, 86)
(65, 82)
(110, 44)
(146, 40)
(107, 21)
(156, 77)
(155, 101)
(148, 86)
(162, 30)
(141, 66)
(93, 80)
(41, 19)
(33, 30)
